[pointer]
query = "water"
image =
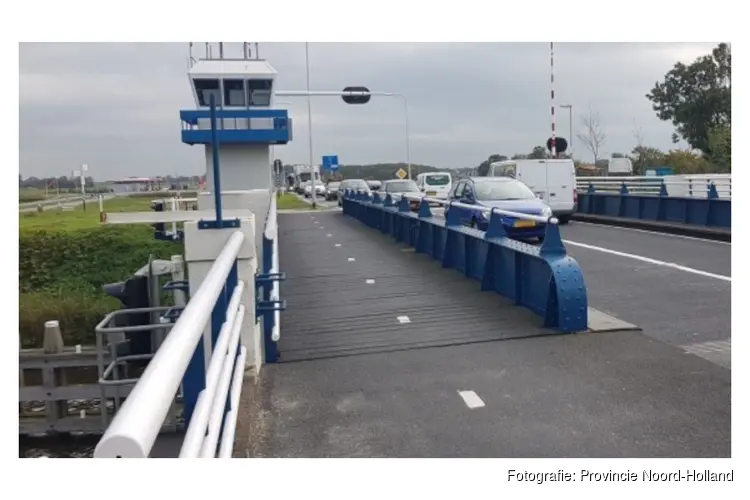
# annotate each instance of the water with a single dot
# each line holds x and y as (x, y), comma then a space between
(60, 446)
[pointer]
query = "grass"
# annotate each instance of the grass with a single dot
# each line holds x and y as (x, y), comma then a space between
(65, 258)
(288, 201)
(54, 220)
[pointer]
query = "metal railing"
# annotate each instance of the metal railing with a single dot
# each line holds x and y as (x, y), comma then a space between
(136, 425)
(688, 186)
(272, 233)
(488, 211)
(543, 279)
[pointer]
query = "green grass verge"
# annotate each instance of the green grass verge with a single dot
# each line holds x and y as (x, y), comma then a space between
(288, 201)
(66, 257)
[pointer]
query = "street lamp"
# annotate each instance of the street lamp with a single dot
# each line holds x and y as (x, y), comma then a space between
(309, 126)
(569, 107)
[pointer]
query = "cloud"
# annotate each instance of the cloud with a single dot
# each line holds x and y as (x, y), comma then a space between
(116, 105)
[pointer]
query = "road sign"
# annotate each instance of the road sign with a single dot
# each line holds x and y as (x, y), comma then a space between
(401, 173)
(331, 162)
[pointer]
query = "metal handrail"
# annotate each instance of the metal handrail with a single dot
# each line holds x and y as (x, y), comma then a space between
(272, 234)
(136, 425)
(480, 208)
(228, 339)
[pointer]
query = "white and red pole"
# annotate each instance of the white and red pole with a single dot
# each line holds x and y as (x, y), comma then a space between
(552, 93)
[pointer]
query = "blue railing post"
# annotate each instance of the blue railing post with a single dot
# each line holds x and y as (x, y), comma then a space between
(215, 157)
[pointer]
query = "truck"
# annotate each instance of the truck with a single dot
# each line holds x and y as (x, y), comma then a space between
(552, 180)
(303, 174)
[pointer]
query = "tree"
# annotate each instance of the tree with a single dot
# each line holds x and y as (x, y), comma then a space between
(518, 156)
(538, 153)
(720, 144)
(592, 136)
(484, 167)
(696, 98)
(687, 162)
(645, 156)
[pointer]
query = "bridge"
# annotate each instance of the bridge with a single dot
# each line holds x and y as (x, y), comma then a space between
(407, 334)
(378, 330)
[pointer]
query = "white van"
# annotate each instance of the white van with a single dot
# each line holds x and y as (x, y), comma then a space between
(435, 184)
(552, 180)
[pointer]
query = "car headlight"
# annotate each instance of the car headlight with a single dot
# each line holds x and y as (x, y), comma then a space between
(547, 212)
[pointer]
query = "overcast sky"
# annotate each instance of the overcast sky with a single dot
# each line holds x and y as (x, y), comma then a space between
(116, 106)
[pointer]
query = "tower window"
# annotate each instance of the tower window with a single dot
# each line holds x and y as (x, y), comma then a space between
(204, 88)
(259, 92)
(234, 93)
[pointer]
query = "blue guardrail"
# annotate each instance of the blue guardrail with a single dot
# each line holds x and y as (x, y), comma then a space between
(543, 279)
(710, 212)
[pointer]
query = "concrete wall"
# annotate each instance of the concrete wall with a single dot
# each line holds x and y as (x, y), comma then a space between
(243, 166)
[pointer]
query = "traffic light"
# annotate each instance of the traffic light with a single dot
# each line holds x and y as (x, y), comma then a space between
(132, 294)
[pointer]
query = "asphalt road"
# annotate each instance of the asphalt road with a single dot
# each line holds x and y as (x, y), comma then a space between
(620, 394)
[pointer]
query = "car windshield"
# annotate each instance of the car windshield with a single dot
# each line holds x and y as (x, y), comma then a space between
(357, 184)
(437, 180)
(488, 190)
(401, 187)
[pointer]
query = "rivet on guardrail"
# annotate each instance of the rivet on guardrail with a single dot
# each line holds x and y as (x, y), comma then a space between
(495, 228)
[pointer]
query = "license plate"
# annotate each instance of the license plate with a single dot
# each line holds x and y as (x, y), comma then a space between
(431, 193)
(524, 223)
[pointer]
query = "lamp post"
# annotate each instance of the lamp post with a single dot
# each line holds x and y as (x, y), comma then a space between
(569, 107)
(309, 126)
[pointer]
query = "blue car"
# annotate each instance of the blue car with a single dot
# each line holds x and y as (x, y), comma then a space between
(502, 193)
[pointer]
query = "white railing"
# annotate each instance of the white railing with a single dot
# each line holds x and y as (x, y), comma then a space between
(692, 186)
(479, 208)
(136, 425)
(272, 234)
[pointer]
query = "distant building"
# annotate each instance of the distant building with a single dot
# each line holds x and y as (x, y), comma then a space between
(135, 185)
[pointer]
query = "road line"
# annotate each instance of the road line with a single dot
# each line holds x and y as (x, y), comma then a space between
(704, 240)
(369, 281)
(650, 261)
(351, 259)
(337, 244)
(403, 319)
(471, 399)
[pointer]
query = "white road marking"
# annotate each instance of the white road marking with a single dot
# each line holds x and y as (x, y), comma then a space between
(351, 259)
(471, 399)
(321, 227)
(369, 281)
(403, 319)
(337, 244)
(709, 347)
(328, 235)
(650, 260)
(652, 232)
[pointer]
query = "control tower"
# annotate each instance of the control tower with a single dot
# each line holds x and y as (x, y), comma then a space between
(247, 125)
